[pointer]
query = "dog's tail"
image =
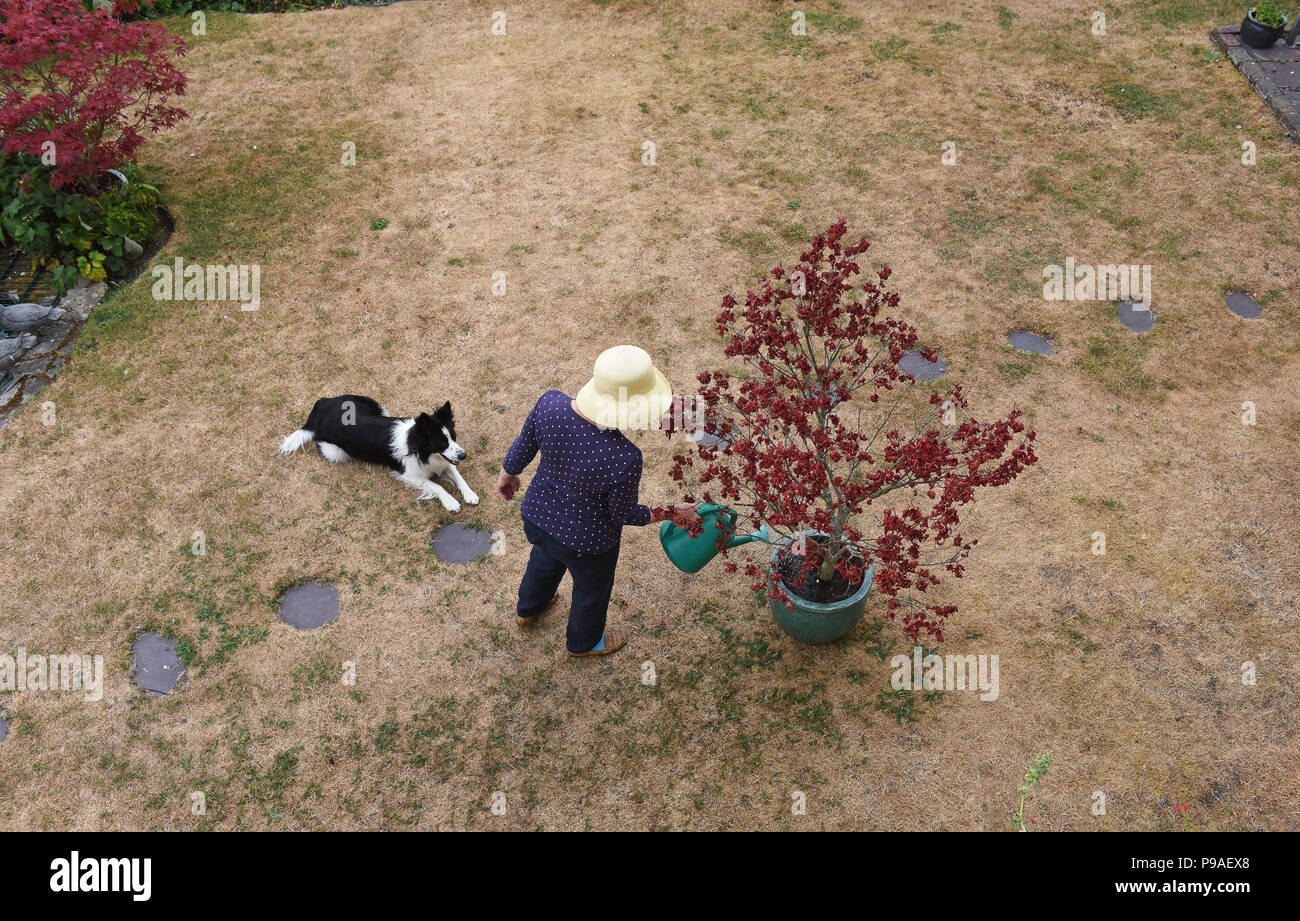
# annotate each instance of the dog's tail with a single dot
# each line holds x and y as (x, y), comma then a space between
(296, 441)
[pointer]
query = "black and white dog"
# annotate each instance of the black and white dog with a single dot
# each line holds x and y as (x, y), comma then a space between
(416, 450)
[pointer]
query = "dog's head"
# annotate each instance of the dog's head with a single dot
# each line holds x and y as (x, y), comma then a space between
(435, 435)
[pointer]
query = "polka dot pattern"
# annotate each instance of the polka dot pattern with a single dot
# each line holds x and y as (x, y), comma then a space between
(586, 486)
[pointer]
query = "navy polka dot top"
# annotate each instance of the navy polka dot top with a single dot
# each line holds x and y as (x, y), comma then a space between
(586, 484)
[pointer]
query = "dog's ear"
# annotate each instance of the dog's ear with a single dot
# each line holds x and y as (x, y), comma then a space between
(444, 411)
(424, 422)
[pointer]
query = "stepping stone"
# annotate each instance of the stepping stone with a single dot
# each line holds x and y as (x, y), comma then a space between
(1030, 342)
(457, 543)
(710, 440)
(1243, 305)
(1137, 318)
(309, 606)
(157, 667)
(914, 363)
(4, 726)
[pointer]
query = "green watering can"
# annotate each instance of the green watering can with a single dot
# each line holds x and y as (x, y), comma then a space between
(690, 554)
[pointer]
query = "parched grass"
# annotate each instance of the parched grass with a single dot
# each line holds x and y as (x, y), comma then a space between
(521, 155)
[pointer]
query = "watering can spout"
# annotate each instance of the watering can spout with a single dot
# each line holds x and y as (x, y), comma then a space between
(760, 534)
(691, 554)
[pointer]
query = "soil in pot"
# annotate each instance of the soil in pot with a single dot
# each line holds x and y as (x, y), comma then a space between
(790, 565)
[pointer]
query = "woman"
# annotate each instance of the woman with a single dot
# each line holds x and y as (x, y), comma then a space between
(585, 491)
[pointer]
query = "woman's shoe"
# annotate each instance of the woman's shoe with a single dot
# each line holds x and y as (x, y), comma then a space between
(529, 621)
(614, 641)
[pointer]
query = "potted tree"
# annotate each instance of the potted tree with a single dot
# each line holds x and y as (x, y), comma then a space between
(1263, 25)
(858, 475)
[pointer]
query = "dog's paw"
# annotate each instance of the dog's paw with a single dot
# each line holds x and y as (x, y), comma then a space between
(470, 497)
(451, 504)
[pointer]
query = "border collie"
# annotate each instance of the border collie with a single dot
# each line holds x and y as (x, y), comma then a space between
(416, 450)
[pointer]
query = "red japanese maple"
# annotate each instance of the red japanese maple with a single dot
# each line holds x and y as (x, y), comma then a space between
(90, 84)
(814, 438)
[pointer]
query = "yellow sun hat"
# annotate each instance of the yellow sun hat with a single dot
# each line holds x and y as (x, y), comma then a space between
(626, 390)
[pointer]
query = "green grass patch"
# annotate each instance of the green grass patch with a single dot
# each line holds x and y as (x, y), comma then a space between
(1132, 100)
(1114, 360)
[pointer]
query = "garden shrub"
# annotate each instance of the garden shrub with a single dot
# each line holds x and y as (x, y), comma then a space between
(81, 90)
(72, 233)
(160, 8)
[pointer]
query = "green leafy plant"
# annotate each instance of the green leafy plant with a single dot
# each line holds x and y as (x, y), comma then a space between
(378, 223)
(1031, 780)
(1268, 14)
(73, 233)
(158, 9)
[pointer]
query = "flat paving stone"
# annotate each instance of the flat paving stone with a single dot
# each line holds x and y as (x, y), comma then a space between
(1030, 342)
(710, 440)
(914, 363)
(1137, 318)
(157, 667)
(1279, 52)
(457, 543)
(1243, 305)
(309, 606)
(1284, 74)
(4, 726)
(1273, 72)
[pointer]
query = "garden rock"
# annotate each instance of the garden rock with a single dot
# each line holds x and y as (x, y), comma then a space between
(11, 350)
(83, 298)
(19, 318)
(29, 362)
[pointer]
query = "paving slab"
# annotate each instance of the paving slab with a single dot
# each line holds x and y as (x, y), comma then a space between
(157, 667)
(457, 543)
(1136, 317)
(1243, 305)
(310, 606)
(1271, 71)
(1030, 342)
(914, 363)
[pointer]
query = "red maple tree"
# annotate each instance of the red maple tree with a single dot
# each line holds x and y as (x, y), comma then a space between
(82, 79)
(813, 437)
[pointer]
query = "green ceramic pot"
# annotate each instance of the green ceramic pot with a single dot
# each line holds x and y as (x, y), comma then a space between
(1257, 35)
(814, 623)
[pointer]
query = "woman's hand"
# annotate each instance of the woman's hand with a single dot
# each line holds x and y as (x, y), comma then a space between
(683, 514)
(507, 485)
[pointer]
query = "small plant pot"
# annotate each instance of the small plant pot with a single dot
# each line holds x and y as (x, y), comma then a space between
(813, 622)
(1257, 35)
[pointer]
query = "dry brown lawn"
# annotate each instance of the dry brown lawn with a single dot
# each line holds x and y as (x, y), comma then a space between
(522, 154)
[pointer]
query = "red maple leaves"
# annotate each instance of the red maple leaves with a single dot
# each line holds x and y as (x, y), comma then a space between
(816, 433)
(83, 80)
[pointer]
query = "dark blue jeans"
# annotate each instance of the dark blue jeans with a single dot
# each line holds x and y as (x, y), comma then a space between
(593, 582)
